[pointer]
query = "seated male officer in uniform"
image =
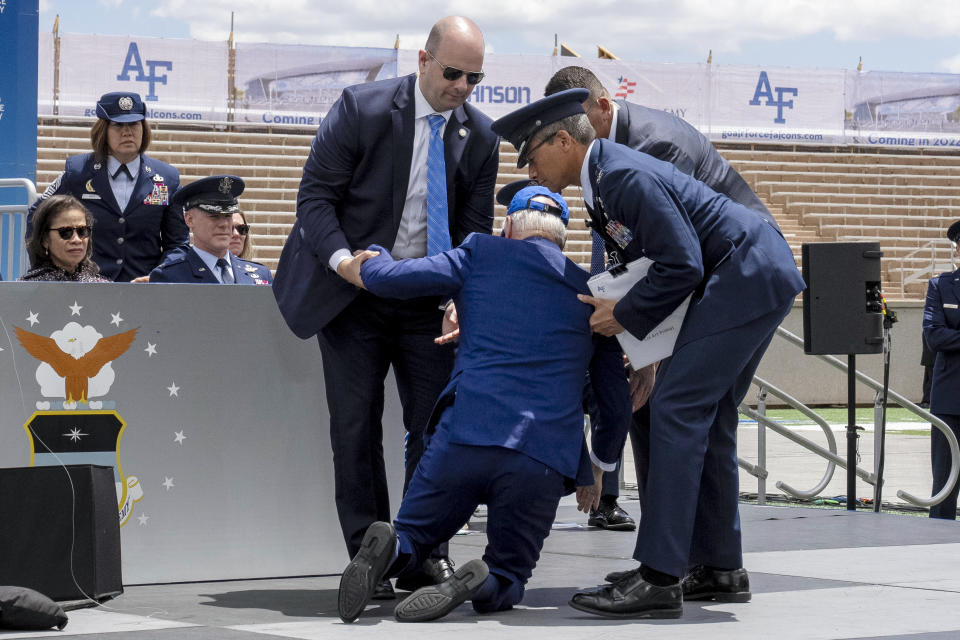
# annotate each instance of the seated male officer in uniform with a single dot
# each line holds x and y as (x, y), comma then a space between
(208, 208)
(743, 279)
(508, 429)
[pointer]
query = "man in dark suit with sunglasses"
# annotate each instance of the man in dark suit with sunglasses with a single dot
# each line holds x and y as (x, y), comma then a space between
(403, 163)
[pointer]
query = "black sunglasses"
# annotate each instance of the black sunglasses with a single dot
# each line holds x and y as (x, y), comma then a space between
(242, 229)
(67, 232)
(452, 73)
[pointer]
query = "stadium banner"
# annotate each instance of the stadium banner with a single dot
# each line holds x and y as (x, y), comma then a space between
(512, 81)
(177, 79)
(903, 109)
(297, 84)
(775, 104)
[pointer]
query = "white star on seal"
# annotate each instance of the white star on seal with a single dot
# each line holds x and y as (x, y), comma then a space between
(75, 309)
(116, 319)
(179, 437)
(167, 483)
(143, 519)
(151, 349)
(75, 434)
(32, 318)
(173, 389)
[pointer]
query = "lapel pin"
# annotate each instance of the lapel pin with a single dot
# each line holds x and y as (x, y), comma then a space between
(89, 186)
(158, 178)
(147, 169)
(462, 132)
(97, 166)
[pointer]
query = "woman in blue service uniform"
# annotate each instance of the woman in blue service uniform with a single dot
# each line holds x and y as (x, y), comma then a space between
(127, 191)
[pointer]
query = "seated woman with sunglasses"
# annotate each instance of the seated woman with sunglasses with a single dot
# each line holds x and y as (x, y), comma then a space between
(241, 245)
(61, 242)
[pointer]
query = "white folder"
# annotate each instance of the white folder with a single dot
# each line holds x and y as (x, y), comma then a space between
(660, 341)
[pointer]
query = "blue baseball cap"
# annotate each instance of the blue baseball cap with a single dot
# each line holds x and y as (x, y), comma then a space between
(121, 106)
(524, 199)
(521, 125)
(216, 195)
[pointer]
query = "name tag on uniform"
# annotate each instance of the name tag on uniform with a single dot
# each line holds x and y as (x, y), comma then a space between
(89, 196)
(949, 306)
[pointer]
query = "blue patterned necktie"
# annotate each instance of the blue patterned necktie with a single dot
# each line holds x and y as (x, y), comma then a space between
(597, 258)
(438, 226)
(226, 276)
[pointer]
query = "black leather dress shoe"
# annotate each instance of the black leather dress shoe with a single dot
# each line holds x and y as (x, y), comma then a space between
(616, 576)
(436, 601)
(632, 597)
(432, 571)
(611, 516)
(383, 591)
(703, 583)
(365, 572)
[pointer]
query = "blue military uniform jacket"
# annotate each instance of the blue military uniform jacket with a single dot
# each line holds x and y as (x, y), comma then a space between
(941, 331)
(737, 264)
(672, 139)
(525, 344)
(186, 266)
(129, 243)
(355, 184)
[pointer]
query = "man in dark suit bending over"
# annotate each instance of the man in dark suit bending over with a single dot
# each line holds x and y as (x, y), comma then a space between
(403, 163)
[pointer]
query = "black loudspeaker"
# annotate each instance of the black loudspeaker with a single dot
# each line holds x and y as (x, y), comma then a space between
(842, 313)
(44, 524)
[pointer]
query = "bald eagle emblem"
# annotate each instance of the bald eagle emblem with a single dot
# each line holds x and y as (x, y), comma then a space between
(72, 360)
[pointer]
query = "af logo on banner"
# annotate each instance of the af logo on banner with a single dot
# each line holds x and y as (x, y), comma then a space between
(764, 90)
(134, 63)
(69, 427)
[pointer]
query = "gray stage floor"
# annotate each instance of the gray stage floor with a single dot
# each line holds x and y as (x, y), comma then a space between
(815, 574)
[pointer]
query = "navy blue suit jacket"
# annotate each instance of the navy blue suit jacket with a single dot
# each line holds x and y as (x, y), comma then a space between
(941, 331)
(525, 345)
(149, 225)
(671, 139)
(739, 266)
(355, 184)
(186, 266)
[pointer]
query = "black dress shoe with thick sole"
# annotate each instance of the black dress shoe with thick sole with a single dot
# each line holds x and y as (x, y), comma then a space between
(704, 583)
(436, 601)
(365, 572)
(616, 576)
(432, 571)
(612, 517)
(383, 591)
(632, 597)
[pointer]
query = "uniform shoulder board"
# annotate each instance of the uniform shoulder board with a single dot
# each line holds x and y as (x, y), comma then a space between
(52, 189)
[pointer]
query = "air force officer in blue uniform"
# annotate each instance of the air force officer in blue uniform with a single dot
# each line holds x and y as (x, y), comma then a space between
(209, 205)
(406, 164)
(742, 275)
(941, 331)
(128, 192)
(508, 426)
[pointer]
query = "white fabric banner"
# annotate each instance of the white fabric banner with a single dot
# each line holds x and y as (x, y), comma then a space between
(775, 104)
(903, 109)
(177, 79)
(297, 84)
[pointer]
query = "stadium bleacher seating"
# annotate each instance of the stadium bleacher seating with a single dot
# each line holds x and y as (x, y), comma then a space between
(902, 198)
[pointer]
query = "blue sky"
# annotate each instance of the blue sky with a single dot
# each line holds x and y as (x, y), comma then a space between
(890, 35)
